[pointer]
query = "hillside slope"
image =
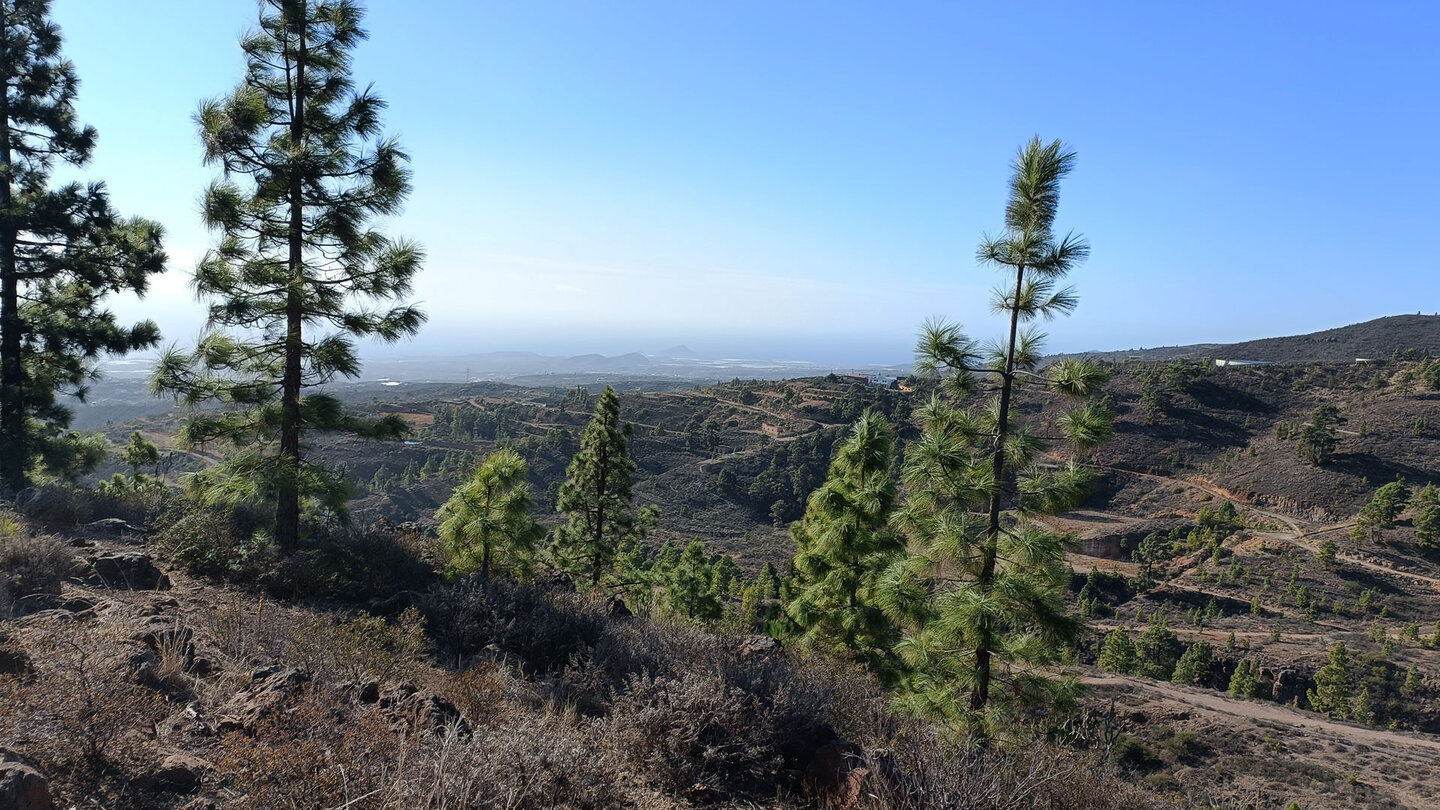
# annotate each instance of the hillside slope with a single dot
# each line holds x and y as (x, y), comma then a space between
(1377, 339)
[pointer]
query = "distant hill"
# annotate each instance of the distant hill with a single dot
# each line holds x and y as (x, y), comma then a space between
(1376, 339)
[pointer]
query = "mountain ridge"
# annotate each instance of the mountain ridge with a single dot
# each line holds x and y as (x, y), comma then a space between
(1376, 339)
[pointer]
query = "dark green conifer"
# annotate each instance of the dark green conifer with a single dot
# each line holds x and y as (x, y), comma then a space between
(688, 586)
(1118, 653)
(596, 498)
(62, 251)
(1331, 694)
(139, 452)
(300, 272)
(844, 543)
(1193, 664)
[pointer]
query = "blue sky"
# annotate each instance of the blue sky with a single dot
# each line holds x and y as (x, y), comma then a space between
(809, 179)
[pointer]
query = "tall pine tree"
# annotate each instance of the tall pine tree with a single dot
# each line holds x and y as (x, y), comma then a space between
(299, 272)
(596, 498)
(62, 250)
(984, 592)
(843, 545)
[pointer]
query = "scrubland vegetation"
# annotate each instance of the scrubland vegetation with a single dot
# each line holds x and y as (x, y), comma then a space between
(231, 637)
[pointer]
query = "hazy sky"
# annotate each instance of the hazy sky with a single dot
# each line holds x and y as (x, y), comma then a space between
(809, 179)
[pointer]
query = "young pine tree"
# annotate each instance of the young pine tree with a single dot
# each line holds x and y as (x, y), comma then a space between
(596, 498)
(487, 519)
(688, 586)
(844, 544)
(1319, 437)
(1193, 664)
(984, 594)
(1118, 654)
(1380, 514)
(139, 452)
(299, 272)
(1245, 680)
(62, 251)
(1427, 516)
(1331, 694)
(1158, 649)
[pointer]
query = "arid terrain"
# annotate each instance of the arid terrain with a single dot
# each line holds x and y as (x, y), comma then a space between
(1204, 521)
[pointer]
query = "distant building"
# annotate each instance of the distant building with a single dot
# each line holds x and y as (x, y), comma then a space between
(1220, 362)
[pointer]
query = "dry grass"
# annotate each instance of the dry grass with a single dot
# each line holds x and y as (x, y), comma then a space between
(34, 565)
(76, 709)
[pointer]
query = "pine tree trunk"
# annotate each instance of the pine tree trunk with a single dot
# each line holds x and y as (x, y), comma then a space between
(12, 374)
(12, 405)
(983, 645)
(287, 502)
(599, 540)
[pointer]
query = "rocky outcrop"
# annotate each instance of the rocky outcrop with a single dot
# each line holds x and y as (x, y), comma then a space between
(186, 722)
(21, 786)
(117, 529)
(758, 646)
(269, 688)
(418, 712)
(128, 570)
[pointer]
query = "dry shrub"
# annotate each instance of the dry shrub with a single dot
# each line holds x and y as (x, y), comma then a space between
(232, 543)
(929, 773)
(538, 632)
(167, 667)
(250, 630)
(478, 693)
(535, 763)
(679, 733)
(321, 752)
(33, 566)
(920, 767)
(360, 648)
(689, 711)
(76, 704)
(318, 752)
(138, 505)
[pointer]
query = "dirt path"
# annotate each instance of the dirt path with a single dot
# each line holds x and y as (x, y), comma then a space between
(1266, 747)
(755, 409)
(1422, 748)
(1298, 534)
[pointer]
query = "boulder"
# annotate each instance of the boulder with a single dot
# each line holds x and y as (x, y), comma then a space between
(758, 646)
(79, 605)
(21, 786)
(43, 502)
(127, 570)
(117, 528)
(180, 773)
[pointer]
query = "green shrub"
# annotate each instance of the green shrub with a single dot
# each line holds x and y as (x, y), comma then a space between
(1133, 755)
